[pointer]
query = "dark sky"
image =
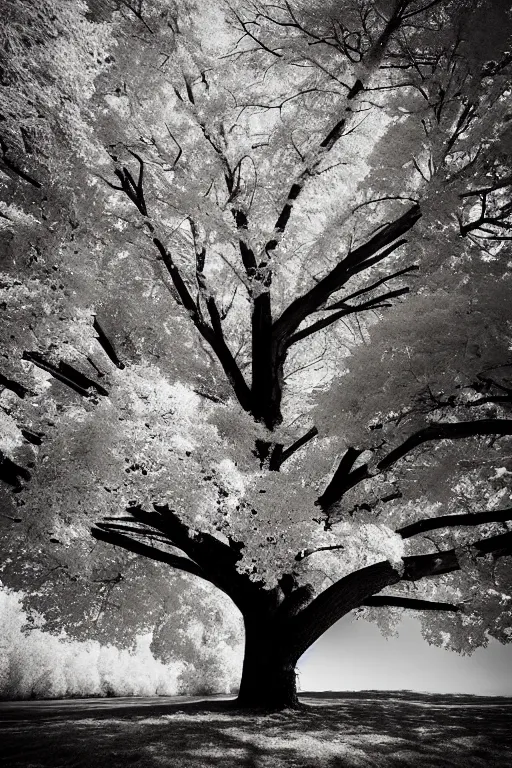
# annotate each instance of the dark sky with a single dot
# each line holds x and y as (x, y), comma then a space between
(353, 655)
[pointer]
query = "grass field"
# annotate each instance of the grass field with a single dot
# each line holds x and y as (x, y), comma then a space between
(346, 730)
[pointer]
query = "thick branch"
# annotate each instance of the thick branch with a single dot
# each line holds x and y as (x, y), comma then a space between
(382, 243)
(336, 601)
(15, 169)
(265, 407)
(12, 473)
(14, 386)
(134, 190)
(452, 521)
(507, 181)
(353, 590)
(354, 262)
(342, 480)
(421, 566)
(446, 431)
(345, 477)
(216, 559)
(35, 438)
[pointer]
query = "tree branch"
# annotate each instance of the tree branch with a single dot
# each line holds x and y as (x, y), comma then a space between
(13, 386)
(308, 552)
(507, 181)
(446, 431)
(216, 559)
(213, 336)
(372, 60)
(354, 589)
(451, 521)
(66, 374)
(12, 473)
(354, 262)
(294, 447)
(394, 601)
(118, 539)
(384, 242)
(15, 169)
(375, 303)
(372, 287)
(134, 190)
(345, 477)
(106, 344)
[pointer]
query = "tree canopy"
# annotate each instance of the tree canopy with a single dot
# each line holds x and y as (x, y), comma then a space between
(255, 287)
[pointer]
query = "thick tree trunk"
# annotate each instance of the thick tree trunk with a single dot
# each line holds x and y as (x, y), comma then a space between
(268, 675)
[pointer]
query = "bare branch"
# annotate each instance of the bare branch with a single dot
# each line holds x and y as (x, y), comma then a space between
(345, 477)
(375, 303)
(284, 455)
(247, 31)
(106, 344)
(446, 431)
(118, 539)
(66, 374)
(451, 521)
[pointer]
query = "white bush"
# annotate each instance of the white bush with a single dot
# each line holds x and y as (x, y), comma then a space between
(37, 664)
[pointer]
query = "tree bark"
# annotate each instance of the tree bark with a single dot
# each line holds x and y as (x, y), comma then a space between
(268, 676)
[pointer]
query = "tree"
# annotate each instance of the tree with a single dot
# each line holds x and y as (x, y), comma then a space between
(228, 370)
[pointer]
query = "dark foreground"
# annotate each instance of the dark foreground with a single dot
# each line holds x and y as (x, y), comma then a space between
(347, 730)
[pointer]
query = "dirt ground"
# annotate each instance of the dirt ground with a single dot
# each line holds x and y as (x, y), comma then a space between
(358, 730)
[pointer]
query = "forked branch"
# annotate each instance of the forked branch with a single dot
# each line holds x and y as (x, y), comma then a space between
(343, 480)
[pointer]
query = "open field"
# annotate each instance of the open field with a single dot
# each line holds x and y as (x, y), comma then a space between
(345, 730)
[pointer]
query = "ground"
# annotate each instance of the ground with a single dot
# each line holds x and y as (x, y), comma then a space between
(348, 730)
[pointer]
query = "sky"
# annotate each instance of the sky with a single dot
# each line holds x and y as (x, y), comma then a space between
(353, 655)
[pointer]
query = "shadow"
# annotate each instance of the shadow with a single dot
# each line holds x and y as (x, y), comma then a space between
(333, 731)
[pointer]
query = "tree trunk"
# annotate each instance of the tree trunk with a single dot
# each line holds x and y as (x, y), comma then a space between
(268, 675)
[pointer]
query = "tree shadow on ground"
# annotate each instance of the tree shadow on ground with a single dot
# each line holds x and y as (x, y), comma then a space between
(338, 732)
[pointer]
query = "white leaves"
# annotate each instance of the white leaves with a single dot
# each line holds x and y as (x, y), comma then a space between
(10, 435)
(354, 546)
(12, 216)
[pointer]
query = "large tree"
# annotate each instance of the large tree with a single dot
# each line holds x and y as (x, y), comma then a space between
(256, 306)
